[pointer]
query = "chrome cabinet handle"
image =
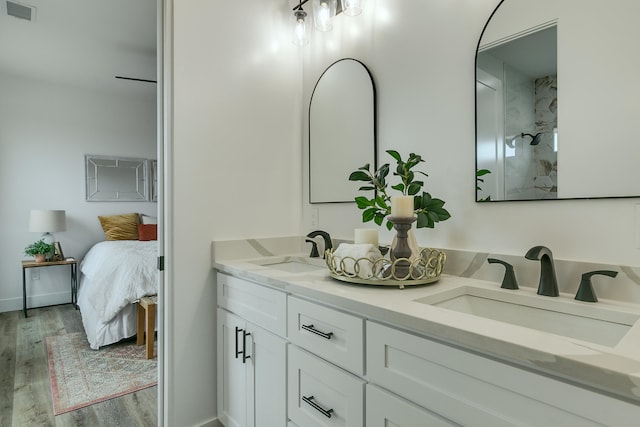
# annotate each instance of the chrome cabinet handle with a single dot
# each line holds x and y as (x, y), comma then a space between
(313, 330)
(326, 412)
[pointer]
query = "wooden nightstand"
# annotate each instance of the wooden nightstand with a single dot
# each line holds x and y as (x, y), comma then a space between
(71, 262)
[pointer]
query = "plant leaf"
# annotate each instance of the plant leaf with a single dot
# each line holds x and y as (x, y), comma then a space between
(399, 187)
(395, 155)
(389, 225)
(414, 188)
(366, 188)
(362, 202)
(368, 214)
(423, 220)
(359, 176)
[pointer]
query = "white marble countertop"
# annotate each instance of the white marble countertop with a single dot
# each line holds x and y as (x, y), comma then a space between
(612, 370)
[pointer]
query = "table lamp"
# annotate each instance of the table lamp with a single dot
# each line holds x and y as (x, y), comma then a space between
(47, 221)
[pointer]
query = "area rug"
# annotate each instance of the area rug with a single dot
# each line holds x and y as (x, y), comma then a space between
(81, 376)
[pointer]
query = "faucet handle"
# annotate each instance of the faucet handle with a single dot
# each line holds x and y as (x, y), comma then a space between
(585, 291)
(314, 249)
(509, 280)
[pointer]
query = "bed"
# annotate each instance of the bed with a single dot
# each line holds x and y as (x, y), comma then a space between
(113, 276)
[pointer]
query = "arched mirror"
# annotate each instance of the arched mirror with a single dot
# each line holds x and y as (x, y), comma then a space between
(555, 101)
(342, 130)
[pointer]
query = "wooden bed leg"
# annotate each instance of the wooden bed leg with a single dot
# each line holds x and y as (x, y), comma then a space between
(140, 324)
(146, 323)
(150, 328)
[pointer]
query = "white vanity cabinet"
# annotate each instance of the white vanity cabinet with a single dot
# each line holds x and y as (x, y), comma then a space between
(290, 359)
(251, 360)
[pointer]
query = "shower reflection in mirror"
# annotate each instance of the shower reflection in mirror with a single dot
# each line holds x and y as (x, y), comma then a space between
(517, 86)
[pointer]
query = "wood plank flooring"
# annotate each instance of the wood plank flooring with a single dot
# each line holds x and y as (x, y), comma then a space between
(25, 393)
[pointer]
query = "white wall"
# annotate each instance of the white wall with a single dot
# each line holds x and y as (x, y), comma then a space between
(236, 173)
(45, 131)
(421, 55)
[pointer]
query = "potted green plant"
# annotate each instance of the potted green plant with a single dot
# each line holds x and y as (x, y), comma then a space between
(427, 209)
(39, 250)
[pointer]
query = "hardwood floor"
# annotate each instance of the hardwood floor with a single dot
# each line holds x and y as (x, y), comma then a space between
(25, 394)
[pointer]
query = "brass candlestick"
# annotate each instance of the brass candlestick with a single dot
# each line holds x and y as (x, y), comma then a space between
(401, 268)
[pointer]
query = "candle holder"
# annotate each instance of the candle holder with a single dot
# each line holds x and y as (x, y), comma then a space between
(401, 268)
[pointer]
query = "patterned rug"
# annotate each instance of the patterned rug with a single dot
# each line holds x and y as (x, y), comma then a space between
(81, 377)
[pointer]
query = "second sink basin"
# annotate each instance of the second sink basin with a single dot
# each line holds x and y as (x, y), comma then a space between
(597, 323)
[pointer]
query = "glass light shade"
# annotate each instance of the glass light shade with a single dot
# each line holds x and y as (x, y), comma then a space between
(300, 28)
(352, 7)
(323, 12)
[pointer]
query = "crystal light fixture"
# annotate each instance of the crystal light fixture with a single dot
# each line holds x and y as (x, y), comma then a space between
(352, 7)
(323, 13)
(300, 30)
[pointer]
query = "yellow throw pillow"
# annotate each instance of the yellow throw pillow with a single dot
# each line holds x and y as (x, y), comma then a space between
(120, 227)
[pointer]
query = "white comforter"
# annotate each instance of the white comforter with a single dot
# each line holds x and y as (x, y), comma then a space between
(120, 272)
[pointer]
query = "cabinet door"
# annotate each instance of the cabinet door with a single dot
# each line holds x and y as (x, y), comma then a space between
(385, 409)
(269, 360)
(233, 392)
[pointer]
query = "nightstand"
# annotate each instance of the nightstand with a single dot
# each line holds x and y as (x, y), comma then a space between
(73, 265)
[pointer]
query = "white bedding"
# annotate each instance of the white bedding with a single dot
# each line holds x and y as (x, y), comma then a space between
(115, 274)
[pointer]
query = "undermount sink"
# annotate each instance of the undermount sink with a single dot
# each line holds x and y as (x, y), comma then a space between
(293, 264)
(597, 323)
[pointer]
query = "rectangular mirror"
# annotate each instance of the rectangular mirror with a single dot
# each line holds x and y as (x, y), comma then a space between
(110, 179)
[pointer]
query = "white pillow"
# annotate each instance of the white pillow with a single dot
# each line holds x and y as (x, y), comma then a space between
(146, 219)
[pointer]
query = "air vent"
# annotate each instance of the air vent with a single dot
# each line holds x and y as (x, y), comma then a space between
(20, 11)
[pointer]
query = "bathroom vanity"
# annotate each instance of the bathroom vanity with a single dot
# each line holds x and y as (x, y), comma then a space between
(297, 348)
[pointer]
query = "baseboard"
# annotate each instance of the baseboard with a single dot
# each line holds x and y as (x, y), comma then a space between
(14, 304)
(211, 423)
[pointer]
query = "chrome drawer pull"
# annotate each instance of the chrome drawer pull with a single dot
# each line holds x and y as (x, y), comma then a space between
(311, 329)
(314, 405)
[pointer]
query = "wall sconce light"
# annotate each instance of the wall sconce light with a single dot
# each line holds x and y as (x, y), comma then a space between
(323, 12)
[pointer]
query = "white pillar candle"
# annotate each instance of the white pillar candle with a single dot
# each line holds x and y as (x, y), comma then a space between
(402, 206)
(366, 235)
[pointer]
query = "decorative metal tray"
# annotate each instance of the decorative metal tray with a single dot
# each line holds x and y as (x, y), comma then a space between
(425, 268)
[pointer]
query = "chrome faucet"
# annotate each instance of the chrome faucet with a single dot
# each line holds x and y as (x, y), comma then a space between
(548, 282)
(325, 236)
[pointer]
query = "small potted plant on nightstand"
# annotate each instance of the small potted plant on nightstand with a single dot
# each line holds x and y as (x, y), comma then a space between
(39, 250)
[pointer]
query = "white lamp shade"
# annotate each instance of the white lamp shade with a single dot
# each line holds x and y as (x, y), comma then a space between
(46, 221)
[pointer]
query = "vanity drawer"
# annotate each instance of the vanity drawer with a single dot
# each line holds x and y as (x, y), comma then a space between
(331, 334)
(258, 304)
(387, 409)
(474, 390)
(321, 394)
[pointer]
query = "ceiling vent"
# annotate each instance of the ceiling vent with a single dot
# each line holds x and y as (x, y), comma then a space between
(19, 10)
